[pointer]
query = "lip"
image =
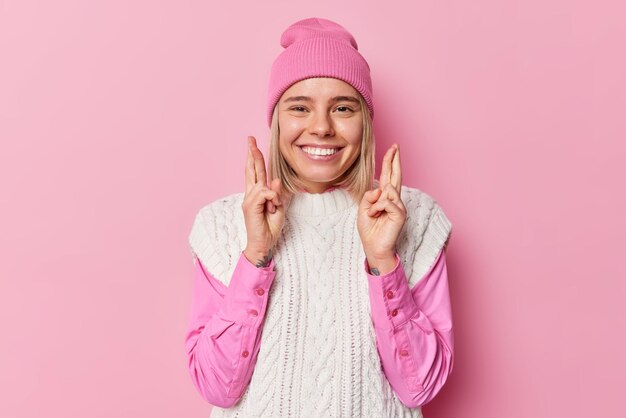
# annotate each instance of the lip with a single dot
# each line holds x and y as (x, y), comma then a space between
(324, 146)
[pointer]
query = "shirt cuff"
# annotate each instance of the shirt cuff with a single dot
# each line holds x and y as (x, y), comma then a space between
(248, 290)
(391, 300)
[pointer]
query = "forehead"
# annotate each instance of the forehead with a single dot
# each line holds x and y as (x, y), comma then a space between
(320, 87)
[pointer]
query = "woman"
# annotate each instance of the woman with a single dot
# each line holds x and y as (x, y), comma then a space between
(320, 292)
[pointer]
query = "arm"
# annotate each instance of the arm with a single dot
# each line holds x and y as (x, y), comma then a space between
(223, 337)
(413, 330)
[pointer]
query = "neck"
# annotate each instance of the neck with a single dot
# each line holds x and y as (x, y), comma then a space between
(332, 200)
(304, 190)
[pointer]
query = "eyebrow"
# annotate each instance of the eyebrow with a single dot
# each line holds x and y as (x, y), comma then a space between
(334, 99)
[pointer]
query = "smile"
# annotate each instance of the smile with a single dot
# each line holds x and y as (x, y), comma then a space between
(320, 151)
(320, 154)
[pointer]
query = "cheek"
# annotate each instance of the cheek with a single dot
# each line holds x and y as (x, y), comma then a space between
(285, 142)
(349, 127)
(352, 133)
(291, 127)
(290, 131)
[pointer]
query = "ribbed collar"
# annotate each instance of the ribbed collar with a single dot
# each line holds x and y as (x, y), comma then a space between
(333, 200)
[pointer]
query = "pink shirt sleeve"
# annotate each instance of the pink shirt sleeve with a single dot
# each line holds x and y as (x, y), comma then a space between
(223, 337)
(413, 330)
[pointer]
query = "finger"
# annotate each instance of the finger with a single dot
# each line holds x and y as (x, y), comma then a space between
(394, 195)
(259, 163)
(275, 186)
(385, 172)
(396, 172)
(369, 198)
(250, 174)
(285, 196)
(372, 195)
(264, 198)
(277, 201)
(273, 204)
(383, 206)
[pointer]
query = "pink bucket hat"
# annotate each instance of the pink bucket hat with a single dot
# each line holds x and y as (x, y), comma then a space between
(316, 47)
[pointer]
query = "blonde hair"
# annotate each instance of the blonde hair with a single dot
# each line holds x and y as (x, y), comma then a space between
(357, 179)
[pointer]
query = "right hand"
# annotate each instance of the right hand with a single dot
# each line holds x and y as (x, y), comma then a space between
(263, 207)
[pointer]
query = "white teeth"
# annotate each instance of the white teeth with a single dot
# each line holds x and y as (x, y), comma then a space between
(319, 151)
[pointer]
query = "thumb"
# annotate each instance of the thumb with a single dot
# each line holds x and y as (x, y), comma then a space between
(370, 197)
(276, 186)
(284, 195)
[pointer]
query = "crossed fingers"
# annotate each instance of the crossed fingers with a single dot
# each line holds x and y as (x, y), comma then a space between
(255, 165)
(391, 175)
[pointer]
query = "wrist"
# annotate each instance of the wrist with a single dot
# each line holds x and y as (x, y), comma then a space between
(380, 256)
(259, 258)
(381, 265)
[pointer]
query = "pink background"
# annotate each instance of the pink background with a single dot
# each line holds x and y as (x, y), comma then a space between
(120, 119)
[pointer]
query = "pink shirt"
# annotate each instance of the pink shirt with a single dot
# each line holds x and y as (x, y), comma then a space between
(413, 330)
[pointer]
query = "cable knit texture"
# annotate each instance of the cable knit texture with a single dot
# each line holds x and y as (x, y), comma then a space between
(318, 355)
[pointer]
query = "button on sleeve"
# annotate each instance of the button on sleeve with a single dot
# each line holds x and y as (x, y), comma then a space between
(413, 331)
(246, 292)
(390, 297)
(224, 333)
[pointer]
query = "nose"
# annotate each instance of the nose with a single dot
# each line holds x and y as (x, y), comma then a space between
(321, 125)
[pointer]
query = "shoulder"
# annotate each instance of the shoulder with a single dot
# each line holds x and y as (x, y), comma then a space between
(218, 234)
(426, 218)
(428, 230)
(422, 207)
(218, 214)
(416, 197)
(222, 205)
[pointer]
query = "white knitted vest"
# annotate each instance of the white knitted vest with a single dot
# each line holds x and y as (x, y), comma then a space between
(318, 353)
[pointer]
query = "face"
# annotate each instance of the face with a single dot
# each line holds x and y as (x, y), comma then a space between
(321, 127)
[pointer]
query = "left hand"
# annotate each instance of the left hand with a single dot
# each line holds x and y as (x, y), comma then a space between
(381, 213)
